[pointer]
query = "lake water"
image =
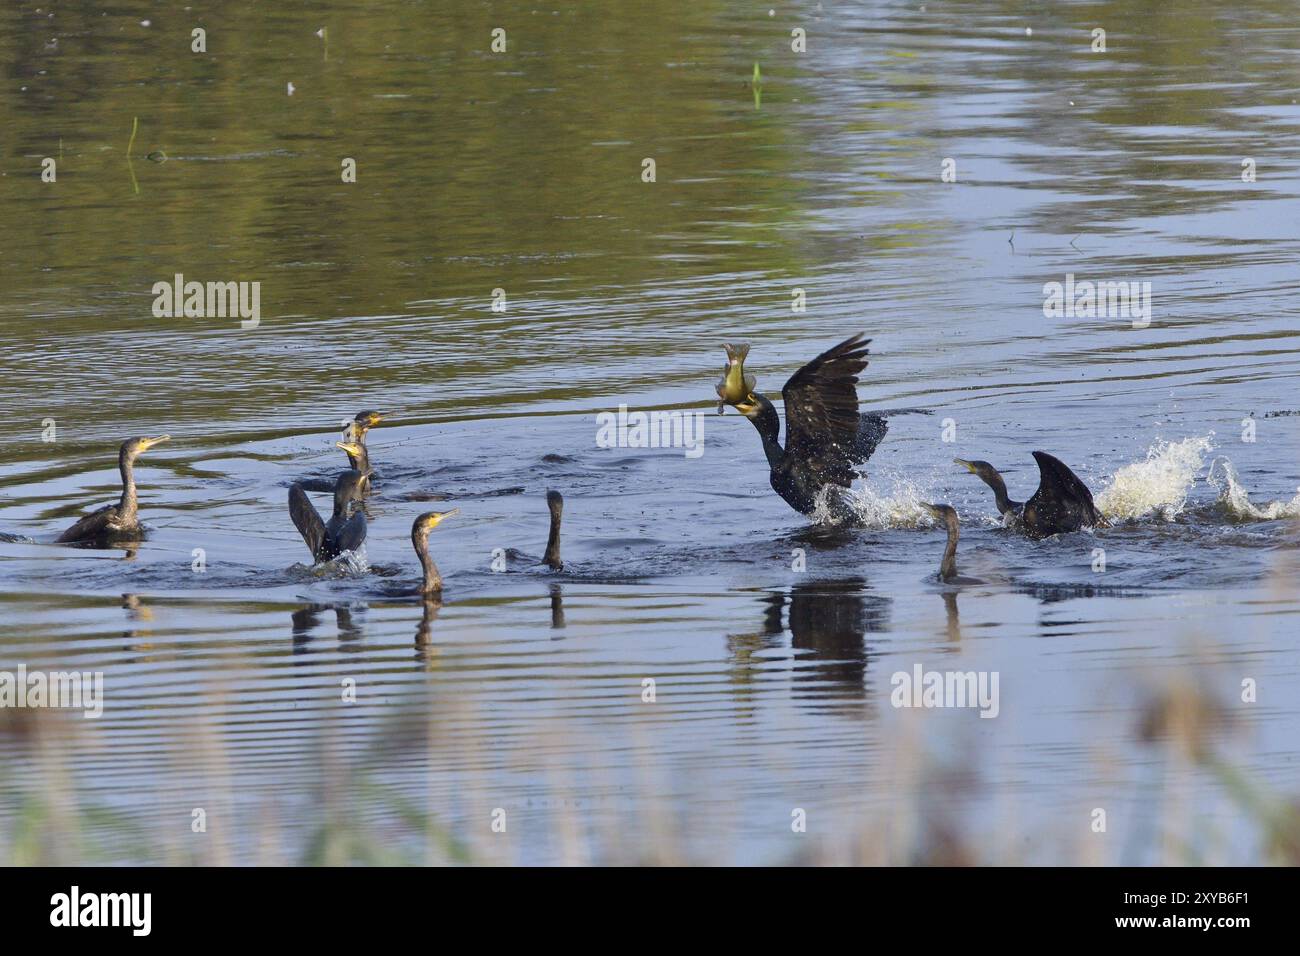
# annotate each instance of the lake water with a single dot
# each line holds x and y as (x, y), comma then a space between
(771, 641)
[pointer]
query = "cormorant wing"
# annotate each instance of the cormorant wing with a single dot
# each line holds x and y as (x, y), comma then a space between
(306, 519)
(871, 429)
(323, 485)
(89, 526)
(1056, 480)
(352, 533)
(821, 412)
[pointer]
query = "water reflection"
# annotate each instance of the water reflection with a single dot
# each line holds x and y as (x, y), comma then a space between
(557, 608)
(952, 617)
(522, 172)
(830, 620)
(306, 621)
(426, 651)
(827, 622)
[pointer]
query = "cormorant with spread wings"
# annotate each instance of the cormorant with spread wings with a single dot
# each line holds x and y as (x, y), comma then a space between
(826, 436)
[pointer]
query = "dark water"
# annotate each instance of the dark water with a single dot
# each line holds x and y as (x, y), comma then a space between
(522, 171)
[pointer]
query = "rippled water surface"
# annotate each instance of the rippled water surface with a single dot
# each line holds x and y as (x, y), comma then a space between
(771, 640)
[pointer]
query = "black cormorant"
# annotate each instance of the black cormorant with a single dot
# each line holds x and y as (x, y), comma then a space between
(354, 446)
(346, 529)
(948, 565)
(360, 459)
(119, 521)
(555, 502)
(826, 435)
(431, 584)
(1062, 502)
(355, 432)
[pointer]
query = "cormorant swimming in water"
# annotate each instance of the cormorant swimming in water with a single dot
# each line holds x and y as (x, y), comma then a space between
(948, 565)
(122, 519)
(431, 584)
(346, 529)
(555, 502)
(826, 435)
(355, 432)
(1062, 502)
(360, 459)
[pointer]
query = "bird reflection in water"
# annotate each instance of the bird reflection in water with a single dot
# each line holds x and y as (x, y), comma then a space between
(954, 620)
(137, 612)
(828, 622)
(307, 620)
(557, 608)
(426, 652)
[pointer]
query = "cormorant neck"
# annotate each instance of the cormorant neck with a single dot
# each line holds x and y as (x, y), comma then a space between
(126, 465)
(948, 567)
(360, 462)
(340, 503)
(994, 480)
(768, 424)
(552, 557)
(432, 582)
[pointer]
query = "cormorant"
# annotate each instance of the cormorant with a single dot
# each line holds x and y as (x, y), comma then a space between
(948, 565)
(555, 502)
(1062, 502)
(346, 529)
(354, 446)
(355, 432)
(119, 521)
(431, 585)
(360, 459)
(826, 435)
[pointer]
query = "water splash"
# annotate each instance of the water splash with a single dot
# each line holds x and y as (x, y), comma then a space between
(1235, 501)
(874, 507)
(346, 565)
(1158, 485)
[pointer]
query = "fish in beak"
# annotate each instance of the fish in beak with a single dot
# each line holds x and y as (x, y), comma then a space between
(735, 386)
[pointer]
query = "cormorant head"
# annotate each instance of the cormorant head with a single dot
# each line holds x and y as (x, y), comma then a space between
(749, 406)
(981, 468)
(356, 450)
(133, 447)
(430, 520)
(362, 423)
(944, 514)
